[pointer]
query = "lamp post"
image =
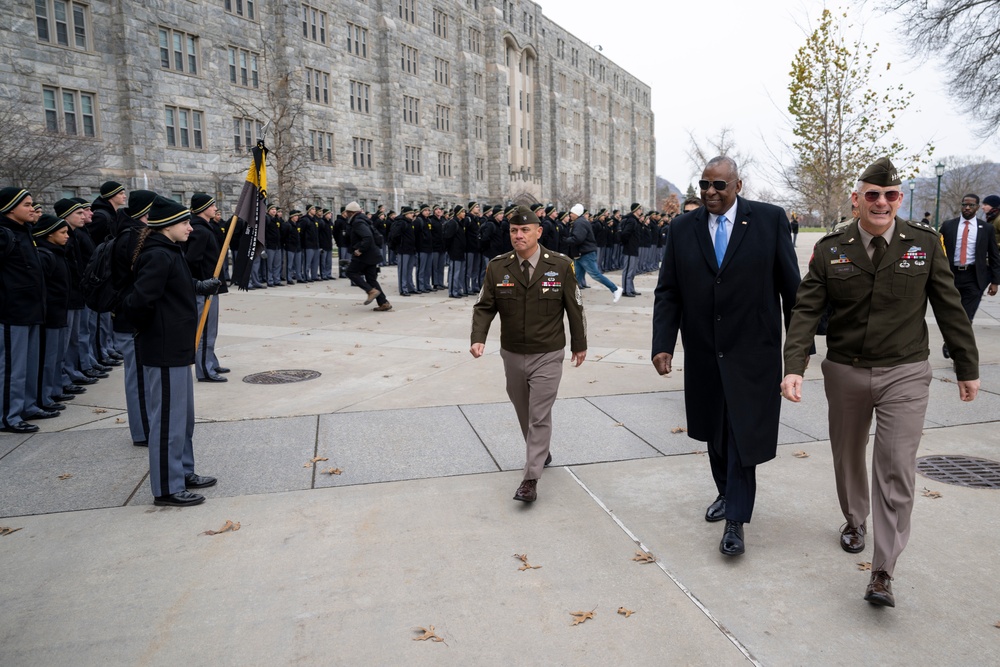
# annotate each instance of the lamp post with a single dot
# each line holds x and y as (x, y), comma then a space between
(939, 172)
(913, 186)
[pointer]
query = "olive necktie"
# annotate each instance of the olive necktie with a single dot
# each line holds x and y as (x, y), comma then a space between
(526, 270)
(879, 244)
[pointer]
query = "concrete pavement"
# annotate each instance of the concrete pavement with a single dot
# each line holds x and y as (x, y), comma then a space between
(419, 529)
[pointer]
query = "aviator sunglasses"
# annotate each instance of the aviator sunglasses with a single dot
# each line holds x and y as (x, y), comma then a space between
(890, 196)
(718, 185)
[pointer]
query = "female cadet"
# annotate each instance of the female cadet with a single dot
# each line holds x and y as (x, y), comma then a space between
(51, 234)
(162, 307)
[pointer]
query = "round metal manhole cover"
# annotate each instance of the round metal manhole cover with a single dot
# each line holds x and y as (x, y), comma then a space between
(281, 377)
(961, 470)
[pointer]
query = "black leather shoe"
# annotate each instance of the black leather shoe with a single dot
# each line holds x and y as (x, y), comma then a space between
(74, 390)
(717, 510)
(117, 355)
(100, 366)
(85, 380)
(548, 460)
(95, 374)
(111, 362)
(62, 398)
(20, 427)
(945, 352)
(221, 369)
(140, 443)
(193, 481)
(179, 499)
(528, 491)
(213, 378)
(732, 539)
(41, 414)
(852, 540)
(879, 591)
(628, 295)
(57, 407)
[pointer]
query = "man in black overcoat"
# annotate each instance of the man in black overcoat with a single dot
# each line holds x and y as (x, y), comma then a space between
(729, 314)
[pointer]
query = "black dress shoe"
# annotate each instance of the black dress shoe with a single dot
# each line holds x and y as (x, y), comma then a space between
(717, 510)
(213, 378)
(94, 374)
(628, 295)
(220, 369)
(42, 414)
(109, 362)
(179, 499)
(193, 481)
(64, 397)
(85, 381)
(548, 460)
(852, 540)
(20, 427)
(117, 355)
(732, 539)
(99, 366)
(140, 443)
(879, 591)
(55, 406)
(75, 390)
(528, 491)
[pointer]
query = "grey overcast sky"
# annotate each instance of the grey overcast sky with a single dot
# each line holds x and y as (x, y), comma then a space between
(726, 63)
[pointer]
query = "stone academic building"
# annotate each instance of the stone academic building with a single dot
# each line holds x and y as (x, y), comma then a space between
(383, 101)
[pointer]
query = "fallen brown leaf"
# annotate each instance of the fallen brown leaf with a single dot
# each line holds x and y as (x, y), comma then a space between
(308, 465)
(119, 420)
(333, 471)
(678, 429)
(357, 345)
(227, 527)
(581, 616)
(625, 612)
(865, 566)
(644, 557)
(930, 494)
(65, 475)
(946, 380)
(316, 459)
(99, 411)
(995, 625)
(4, 531)
(801, 455)
(527, 566)
(428, 634)
(619, 424)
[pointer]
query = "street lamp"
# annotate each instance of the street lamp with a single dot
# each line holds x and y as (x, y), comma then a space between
(913, 186)
(939, 172)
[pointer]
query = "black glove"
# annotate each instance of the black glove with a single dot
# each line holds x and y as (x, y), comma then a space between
(207, 287)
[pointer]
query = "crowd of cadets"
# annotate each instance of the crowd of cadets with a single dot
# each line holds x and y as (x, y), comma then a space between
(422, 241)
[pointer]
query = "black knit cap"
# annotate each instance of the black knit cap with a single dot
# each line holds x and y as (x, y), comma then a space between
(47, 224)
(550, 208)
(602, 212)
(458, 209)
(405, 210)
(83, 202)
(65, 207)
(110, 188)
(295, 211)
(882, 173)
(522, 215)
(535, 208)
(512, 209)
(11, 197)
(992, 200)
(139, 203)
(424, 207)
(166, 212)
(473, 204)
(201, 201)
(635, 207)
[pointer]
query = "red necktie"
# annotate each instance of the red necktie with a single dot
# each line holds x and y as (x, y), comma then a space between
(965, 245)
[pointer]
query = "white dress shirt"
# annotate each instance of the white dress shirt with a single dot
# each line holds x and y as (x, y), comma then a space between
(713, 224)
(973, 226)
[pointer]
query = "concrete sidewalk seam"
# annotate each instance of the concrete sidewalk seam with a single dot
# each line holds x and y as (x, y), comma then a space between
(315, 452)
(624, 425)
(659, 563)
(481, 441)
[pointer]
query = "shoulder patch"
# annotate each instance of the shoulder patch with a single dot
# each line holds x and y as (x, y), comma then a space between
(836, 231)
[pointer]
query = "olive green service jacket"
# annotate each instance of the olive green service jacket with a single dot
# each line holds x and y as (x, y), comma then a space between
(531, 315)
(877, 317)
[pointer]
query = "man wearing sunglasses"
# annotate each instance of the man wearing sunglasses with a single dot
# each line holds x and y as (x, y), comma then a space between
(878, 273)
(727, 282)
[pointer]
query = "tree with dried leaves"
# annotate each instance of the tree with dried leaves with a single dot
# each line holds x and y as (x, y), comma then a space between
(966, 35)
(843, 116)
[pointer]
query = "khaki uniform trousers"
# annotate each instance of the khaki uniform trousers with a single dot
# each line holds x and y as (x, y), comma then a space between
(898, 395)
(532, 385)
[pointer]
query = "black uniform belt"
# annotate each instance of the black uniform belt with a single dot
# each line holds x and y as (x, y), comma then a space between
(957, 267)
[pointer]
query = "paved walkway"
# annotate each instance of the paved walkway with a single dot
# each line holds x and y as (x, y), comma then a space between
(418, 528)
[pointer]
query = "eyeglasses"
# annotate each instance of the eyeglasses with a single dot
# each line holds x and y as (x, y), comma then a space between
(718, 185)
(871, 196)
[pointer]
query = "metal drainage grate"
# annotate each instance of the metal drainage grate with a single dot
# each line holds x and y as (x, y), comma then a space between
(961, 471)
(281, 377)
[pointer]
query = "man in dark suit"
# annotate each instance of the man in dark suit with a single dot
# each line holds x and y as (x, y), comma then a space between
(971, 246)
(729, 275)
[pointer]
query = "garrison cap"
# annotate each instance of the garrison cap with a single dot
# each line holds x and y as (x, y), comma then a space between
(201, 201)
(47, 224)
(139, 203)
(166, 212)
(65, 207)
(110, 188)
(522, 215)
(11, 197)
(881, 172)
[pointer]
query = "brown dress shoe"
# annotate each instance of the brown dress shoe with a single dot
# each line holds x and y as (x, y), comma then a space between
(879, 591)
(372, 295)
(384, 307)
(528, 491)
(852, 540)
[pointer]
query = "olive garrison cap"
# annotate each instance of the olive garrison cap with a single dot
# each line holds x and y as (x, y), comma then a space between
(522, 215)
(881, 172)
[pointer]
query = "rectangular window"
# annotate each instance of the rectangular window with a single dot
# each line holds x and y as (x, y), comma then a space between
(477, 85)
(560, 48)
(313, 24)
(442, 118)
(442, 72)
(244, 8)
(412, 160)
(362, 153)
(62, 22)
(475, 41)
(244, 137)
(184, 128)
(411, 110)
(440, 24)
(360, 93)
(357, 40)
(321, 146)
(408, 59)
(178, 51)
(243, 68)
(317, 86)
(408, 10)
(480, 168)
(70, 112)
(478, 124)
(444, 164)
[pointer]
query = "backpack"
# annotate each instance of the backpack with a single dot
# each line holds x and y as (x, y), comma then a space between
(98, 290)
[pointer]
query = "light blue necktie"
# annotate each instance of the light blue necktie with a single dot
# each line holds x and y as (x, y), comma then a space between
(720, 240)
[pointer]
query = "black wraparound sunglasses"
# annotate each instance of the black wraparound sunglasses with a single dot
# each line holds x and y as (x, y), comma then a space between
(718, 185)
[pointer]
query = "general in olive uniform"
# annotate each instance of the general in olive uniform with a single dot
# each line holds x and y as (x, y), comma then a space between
(877, 275)
(531, 288)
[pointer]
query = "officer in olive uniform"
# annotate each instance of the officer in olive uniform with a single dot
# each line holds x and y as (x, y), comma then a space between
(878, 273)
(531, 288)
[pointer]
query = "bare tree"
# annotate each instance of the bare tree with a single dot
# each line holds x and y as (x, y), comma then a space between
(964, 174)
(724, 144)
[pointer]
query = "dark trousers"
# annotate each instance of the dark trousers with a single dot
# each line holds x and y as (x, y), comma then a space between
(738, 483)
(365, 276)
(967, 286)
